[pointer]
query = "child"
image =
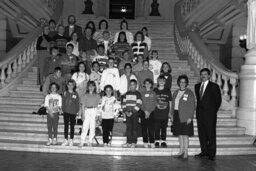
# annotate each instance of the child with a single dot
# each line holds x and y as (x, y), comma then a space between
(131, 105)
(155, 65)
(126, 59)
(81, 79)
(166, 72)
(85, 58)
(53, 61)
(106, 41)
(138, 66)
(101, 57)
(110, 76)
(95, 75)
(57, 78)
(161, 113)
(117, 60)
(144, 74)
(90, 102)
(70, 108)
(109, 112)
(53, 104)
(148, 106)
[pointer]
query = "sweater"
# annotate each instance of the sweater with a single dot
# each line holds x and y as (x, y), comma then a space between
(87, 44)
(110, 76)
(148, 100)
(186, 105)
(51, 63)
(139, 48)
(142, 75)
(68, 63)
(129, 36)
(132, 102)
(70, 102)
(60, 42)
(52, 78)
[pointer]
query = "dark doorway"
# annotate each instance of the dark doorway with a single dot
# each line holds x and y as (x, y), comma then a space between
(122, 9)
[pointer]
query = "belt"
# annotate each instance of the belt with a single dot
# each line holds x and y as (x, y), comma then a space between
(90, 107)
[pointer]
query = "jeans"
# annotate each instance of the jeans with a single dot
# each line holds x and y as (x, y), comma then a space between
(160, 128)
(69, 119)
(147, 128)
(107, 127)
(131, 128)
(52, 124)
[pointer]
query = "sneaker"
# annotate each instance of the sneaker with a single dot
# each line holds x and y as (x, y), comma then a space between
(81, 144)
(105, 144)
(65, 143)
(145, 145)
(54, 141)
(71, 143)
(49, 142)
(126, 145)
(157, 144)
(152, 145)
(89, 144)
(133, 145)
(163, 145)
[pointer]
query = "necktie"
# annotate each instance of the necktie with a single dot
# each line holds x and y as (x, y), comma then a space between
(201, 92)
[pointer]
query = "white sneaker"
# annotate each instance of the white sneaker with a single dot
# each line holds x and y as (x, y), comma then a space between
(49, 142)
(126, 145)
(65, 143)
(152, 145)
(71, 143)
(105, 144)
(54, 141)
(81, 144)
(133, 145)
(145, 145)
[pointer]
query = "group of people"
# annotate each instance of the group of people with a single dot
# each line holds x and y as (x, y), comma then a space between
(96, 76)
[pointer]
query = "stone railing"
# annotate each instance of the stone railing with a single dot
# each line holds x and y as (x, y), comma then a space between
(22, 56)
(192, 45)
(52, 4)
(189, 5)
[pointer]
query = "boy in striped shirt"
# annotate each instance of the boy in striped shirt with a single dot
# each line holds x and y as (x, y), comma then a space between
(131, 104)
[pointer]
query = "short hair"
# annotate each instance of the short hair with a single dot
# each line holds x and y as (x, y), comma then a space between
(53, 48)
(133, 81)
(150, 81)
(161, 77)
(104, 32)
(100, 46)
(165, 63)
(119, 35)
(52, 21)
(70, 45)
(110, 58)
(73, 17)
(93, 84)
(145, 28)
(60, 25)
(205, 70)
(57, 69)
(126, 51)
(140, 55)
(122, 22)
(103, 21)
(145, 60)
(109, 86)
(73, 82)
(53, 83)
(142, 36)
(95, 62)
(154, 51)
(185, 77)
(127, 64)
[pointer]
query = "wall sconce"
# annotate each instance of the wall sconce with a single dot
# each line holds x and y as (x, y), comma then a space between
(242, 42)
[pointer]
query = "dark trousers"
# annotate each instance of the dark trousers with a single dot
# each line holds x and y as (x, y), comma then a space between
(207, 136)
(107, 127)
(131, 128)
(69, 119)
(160, 128)
(52, 124)
(147, 128)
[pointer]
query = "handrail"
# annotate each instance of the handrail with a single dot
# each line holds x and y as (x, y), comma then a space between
(21, 56)
(190, 43)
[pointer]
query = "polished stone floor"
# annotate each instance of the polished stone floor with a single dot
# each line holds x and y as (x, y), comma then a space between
(23, 161)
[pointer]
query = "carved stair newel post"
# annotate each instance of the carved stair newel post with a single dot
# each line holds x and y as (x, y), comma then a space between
(154, 9)
(88, 7)
(246, 113)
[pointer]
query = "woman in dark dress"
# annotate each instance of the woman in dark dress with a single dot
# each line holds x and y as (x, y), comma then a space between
(183, 107)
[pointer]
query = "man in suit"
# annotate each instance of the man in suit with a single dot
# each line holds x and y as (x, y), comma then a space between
(208, 96)
(72, 27)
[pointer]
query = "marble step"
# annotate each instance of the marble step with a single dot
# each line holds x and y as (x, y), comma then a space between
(26, 94)
(27, 88)
(18, 108)
(21, 101)
(31, 146)
(118, 141)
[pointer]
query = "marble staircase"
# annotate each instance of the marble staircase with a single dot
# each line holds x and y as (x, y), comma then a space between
(20, 130)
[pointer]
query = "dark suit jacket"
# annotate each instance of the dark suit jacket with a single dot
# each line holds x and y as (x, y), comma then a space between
(209, 105)
(77, 29)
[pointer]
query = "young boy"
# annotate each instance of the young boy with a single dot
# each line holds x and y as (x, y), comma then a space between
(144, 74)
(161, 112)
(131, 104)
(57, 78)
(101, 58)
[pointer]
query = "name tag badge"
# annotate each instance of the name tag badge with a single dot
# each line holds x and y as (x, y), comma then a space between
(146, 95)
(74, 96)
(185, 98)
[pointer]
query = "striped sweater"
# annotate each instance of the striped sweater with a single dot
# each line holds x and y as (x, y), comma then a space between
(132, 101)
(139, 49)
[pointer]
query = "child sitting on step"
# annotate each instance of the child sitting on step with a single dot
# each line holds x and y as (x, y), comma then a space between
(70, 109)
(131, 105)
(53, 104)
(109, 111)
(90, 102)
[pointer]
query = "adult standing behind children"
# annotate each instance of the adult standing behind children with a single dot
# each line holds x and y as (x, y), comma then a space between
(72, 27)
(87, 42)
(208, 96)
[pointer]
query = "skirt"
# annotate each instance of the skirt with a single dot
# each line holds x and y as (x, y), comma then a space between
(181, 128)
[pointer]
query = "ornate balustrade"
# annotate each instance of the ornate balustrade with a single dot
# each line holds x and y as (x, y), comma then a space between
(189, 5)
(191, 44)
(22, 56)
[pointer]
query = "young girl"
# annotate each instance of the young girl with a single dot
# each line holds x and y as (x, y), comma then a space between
(155, 65)
(53, 104)
(81, 79)
(148, 106)
(70, 108)
(74, 42)
(95, 75)
(110, 108)
(90, 102)
(166, 72)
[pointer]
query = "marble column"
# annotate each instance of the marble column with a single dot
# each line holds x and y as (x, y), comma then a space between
(3, 26)
(246, 113)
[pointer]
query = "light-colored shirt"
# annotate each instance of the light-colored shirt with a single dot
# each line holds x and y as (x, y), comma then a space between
(80, 77)
(110, 107)
(155, 67)
(110, 76)
(76, 47)
(205, 85)
(53, 102)
(177, 99)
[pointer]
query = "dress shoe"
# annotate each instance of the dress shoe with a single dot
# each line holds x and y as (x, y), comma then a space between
(201, 155)
(179, 156)
(212, 158)
(157, 144)
(163, 145)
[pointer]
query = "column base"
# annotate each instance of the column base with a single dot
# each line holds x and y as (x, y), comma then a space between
(247, 118)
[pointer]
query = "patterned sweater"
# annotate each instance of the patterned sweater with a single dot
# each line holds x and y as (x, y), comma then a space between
(132, 101)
